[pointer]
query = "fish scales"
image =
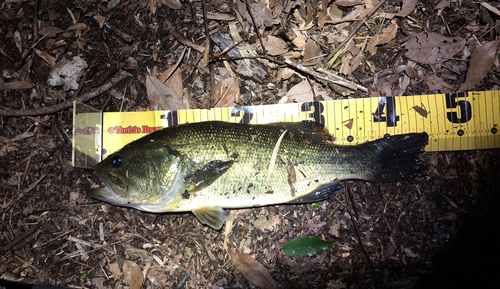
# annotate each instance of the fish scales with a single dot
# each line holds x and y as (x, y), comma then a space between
(251, 150)
(204, 167)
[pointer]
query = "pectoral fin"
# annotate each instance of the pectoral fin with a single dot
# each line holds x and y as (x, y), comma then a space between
(205, 176)
(320, 193)
(212, 216)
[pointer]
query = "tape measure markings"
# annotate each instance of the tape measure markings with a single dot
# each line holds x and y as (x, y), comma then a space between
(457, 121)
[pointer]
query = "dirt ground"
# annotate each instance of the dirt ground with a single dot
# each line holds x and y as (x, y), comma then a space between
(437, 230)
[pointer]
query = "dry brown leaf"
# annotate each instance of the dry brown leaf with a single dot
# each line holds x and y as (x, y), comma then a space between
(491, 8)
(51, 60)
(132, 273)
(224, 94)
(7, 146)
(408, 6)
(322, 14)
(311, 51)
(173, 80)
(78, 26)
(152, 6)
(345, 68)
(220, 16)
(16, 85)
(387, 35)
(348, 123)
(251, 269)
(443, 4)
(50, 30)
(432, 48)
(383, 88)
(284, 73)
(175, 83)
(263, 223)
(302, 92)
(435, 83)
(100, 19)
(161, 96)
(348, 3)
(115, 270)
(299, 41)
(174, 4)
(309, 13)
(421, 110)
(261, 13)
(334, 229)
(98, 283)
(299, 93)
(275, 46)
(335, 13)
(480, 63)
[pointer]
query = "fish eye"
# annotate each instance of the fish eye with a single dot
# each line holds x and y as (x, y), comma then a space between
(116, 161)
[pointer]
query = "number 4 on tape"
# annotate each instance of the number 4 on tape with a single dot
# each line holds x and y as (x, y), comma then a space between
(390, 116)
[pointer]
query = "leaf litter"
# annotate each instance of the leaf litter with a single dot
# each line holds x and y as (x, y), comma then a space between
(419, 49)
(480, 64)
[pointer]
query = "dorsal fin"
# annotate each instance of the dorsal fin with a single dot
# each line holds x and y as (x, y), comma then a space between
(307, 129)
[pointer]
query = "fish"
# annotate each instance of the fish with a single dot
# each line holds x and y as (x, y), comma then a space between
(207, 167)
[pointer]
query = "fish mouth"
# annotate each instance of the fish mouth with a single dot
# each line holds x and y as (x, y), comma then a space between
(115, 187)
(102, 193)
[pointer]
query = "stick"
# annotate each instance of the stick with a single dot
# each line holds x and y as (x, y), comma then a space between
(119, 76)
(255, 27)
(171, 28)
(322, 75)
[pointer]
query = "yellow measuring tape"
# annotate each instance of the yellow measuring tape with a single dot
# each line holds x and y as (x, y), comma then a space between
(458, 121)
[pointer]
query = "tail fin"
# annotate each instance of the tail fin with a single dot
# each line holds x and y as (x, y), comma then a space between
(398, 156)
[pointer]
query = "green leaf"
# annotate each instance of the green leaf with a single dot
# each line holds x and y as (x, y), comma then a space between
(305, 246)
(318, 205)
(84, 274)
(112, 4)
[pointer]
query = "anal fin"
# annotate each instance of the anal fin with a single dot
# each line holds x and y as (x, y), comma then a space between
(212, 216)
(320, 193)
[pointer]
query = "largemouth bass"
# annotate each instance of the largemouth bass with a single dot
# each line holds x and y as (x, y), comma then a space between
(205, 167)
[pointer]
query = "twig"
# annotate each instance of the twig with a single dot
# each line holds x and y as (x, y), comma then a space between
(172, 30)
(177, 64)
(76, 240)
(356, 229)
(315, 98)
(341, 21)
(192, 275)
(446, 24)
(322, 75)
(489, 30)
(119, 76)
(255, 27)
(226, 50)
(21, 238)
(358, 26)
(208, 51)
(80, 253)
(328, 76)
(53, 239)
(21, 193)
(25, 262)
